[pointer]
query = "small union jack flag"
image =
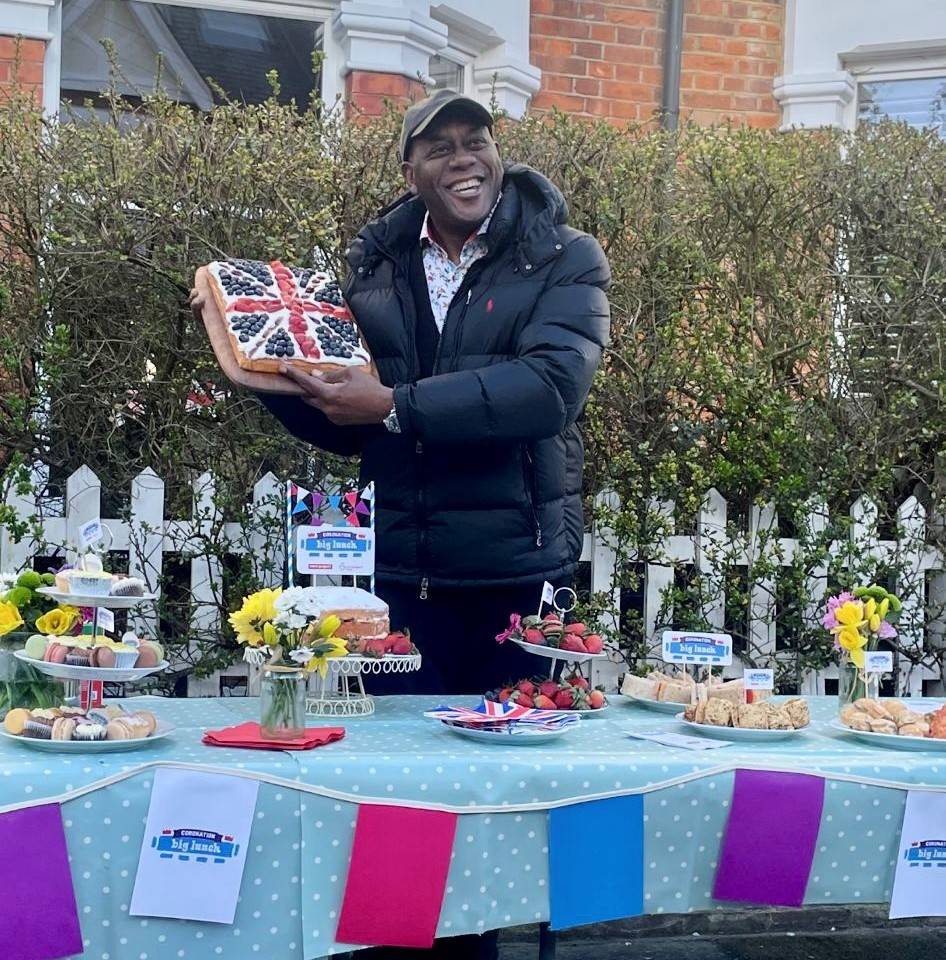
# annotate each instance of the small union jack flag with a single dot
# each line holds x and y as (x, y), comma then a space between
(490, 713)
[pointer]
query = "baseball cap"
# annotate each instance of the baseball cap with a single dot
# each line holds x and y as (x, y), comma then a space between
(420, 115)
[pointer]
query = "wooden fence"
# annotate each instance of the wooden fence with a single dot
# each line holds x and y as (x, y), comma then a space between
(712, 547)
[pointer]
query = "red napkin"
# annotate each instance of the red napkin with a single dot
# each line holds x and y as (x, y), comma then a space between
(248, 735)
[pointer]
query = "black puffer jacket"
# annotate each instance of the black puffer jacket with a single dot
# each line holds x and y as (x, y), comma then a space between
(483, 486)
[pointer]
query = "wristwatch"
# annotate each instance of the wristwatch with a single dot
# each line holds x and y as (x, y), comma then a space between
(391, 422)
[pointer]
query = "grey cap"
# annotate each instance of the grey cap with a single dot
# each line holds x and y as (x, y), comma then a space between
(420, 115)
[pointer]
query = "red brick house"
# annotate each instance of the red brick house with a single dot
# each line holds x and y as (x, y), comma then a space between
(761, 62)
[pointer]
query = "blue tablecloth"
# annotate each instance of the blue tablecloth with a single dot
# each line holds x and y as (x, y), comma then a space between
(307, 804)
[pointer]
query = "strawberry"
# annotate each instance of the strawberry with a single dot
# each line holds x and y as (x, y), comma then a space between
(504, 694)
(534, 635)
(374, 648)
(402, 645)
(565, 699)
(578, 628)
(396, 636)
(523, 701)
(577, 680)
(544, 703)
(548, 688)
(573, 643)
(596, 700)
(527, 687)
(594, 643)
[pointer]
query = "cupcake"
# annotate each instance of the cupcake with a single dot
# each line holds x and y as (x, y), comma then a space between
(77, 657)
(127, 587)
(125, 656)
(38, 728)
(90, 583)
(63, 578)
(88, 731)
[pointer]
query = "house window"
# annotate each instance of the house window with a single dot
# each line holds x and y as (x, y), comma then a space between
(920, 101)
(203, 51)
(447, 74)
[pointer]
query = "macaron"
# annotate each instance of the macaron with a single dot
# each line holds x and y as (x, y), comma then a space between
(56, 653)
(35, 646)
(117, 729)
(103, 657)
(148, 718)
(147, 657)
(15, 721)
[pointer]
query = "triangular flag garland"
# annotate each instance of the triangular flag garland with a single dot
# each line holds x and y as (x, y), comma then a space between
(39, 919)
(393, 844)
(610, 834)
(770, 838)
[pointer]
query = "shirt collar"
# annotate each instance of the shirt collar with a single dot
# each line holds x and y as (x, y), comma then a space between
(425, 235)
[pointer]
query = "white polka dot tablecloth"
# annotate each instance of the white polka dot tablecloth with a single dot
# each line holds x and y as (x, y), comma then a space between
(301, 841)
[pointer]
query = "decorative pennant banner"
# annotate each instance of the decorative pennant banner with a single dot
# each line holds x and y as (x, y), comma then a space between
(919, 886)
(352, 520)
(334, 501)
(361, 508)
(317, 500)
(39, 919)
(194, 846)
(609, 834)
(398, 873)
(770, 838)
(351, 498)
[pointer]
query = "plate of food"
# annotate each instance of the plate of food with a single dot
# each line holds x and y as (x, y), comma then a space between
(573, 694)
(894, 724)
(508, 734)
(111, 600)
(668, 693)
(69, 729)
(79, 658)
(262, 315)
(759, 722)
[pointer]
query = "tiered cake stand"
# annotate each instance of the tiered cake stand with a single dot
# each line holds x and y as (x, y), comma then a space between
(341, 693)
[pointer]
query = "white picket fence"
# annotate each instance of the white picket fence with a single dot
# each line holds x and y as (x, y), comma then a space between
(148, 537)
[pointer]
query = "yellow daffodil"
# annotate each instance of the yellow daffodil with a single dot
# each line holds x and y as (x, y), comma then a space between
(325, 650)
(10, 617)
(55, 623)
(323, 629)
(884, 608)
(854, 642)
(850, 614)
(253, 621)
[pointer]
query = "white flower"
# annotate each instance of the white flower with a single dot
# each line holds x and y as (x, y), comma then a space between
(7, 582)
(301, 656)
(288, 620)
(303, 601)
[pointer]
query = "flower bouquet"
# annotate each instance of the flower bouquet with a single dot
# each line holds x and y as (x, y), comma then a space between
(289, 635)
(858, 620)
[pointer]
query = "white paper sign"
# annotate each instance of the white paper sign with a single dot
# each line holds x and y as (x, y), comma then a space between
(548, 593)
(335, 549)
(90, 533)
(878, 661)
(759, 679)
(919, 886)
(680, 740)
(105, 620)
(194, 848)
(688, 646)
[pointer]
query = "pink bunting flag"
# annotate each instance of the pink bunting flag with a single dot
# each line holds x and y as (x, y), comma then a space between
(352, 520)
(351, 498)
(770, 838)
(39, 920)
(397, 876)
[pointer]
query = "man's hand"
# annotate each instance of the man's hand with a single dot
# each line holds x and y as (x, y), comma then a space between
(196, 301)
(347, 396)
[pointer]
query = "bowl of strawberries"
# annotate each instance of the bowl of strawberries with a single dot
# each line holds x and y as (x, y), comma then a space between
(574, 692)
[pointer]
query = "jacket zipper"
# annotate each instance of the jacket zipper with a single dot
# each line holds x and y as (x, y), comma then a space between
(529, 465)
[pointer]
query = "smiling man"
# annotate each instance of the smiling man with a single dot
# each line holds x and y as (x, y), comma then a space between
(486, 316)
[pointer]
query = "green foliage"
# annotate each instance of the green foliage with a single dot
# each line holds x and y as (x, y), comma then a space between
(778, 329)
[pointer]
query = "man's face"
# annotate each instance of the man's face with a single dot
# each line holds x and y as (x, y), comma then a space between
(454, 167)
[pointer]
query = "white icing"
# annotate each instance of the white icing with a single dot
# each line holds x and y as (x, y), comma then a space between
(350, 598)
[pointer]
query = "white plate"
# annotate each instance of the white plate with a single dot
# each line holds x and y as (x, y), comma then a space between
(659, 706)
(89, 746)
(892, 741)
(65, 671)
(553, 653)
(83, 600)
(524, 736)
(740, 733)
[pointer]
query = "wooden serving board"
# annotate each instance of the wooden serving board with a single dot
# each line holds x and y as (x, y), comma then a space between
(259, 382)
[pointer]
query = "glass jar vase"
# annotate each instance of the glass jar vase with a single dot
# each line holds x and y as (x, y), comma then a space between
(854, 684)
(282, 703)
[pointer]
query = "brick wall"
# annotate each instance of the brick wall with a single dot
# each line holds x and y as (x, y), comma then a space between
(366, 91)
(604, 58)
(22, 60)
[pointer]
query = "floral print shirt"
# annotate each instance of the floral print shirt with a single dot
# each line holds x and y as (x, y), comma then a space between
(444, 277)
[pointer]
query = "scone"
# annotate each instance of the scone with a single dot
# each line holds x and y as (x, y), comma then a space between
(752, 716)
(781, 719)
(719, 713)
(880, 725)
(798, 712)
(873, 708)
(858, 721)
(919, 728)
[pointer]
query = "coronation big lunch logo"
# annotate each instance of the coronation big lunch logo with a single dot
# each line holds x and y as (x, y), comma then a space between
(201, 846)
(926, 853)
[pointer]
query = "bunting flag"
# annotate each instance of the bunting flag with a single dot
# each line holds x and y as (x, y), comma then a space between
(396, 880)
(300, 507)
(609, 834)
(317, 500)
(368, 492)
(360, 508)
(352, 520)
(351, 498)
(334, 501)
(39, 919)
(770, 838)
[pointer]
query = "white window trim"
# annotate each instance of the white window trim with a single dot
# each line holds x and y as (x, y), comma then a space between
(895, 61)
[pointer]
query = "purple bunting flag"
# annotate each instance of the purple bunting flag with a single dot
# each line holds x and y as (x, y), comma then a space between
(770, 838)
